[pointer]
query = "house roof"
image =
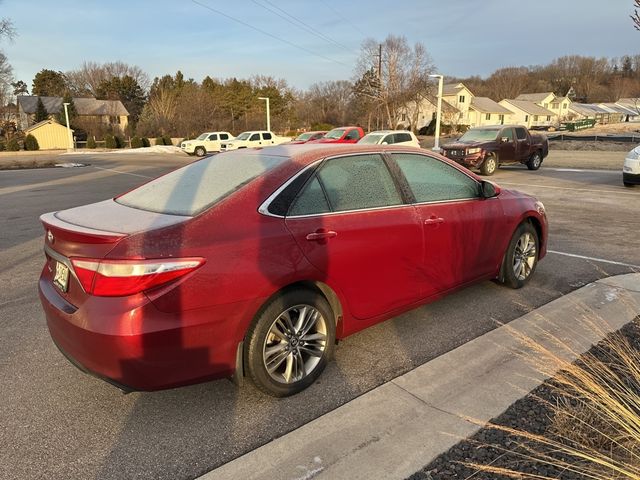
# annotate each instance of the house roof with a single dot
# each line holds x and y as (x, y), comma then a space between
(529, 107)
(587, 109)
(452, 88)
(615, 108)
(486, 105)
(561, 99)
(629, 102)
(628, 109)
(42, 123)
(534, 97)
(84, 106)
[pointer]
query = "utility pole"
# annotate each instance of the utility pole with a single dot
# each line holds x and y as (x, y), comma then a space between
(266, 99)
(436, 147)
(379, 83)
(66, 115)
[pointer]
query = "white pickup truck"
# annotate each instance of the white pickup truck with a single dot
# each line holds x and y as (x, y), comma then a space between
(205, 143)
(257, 138)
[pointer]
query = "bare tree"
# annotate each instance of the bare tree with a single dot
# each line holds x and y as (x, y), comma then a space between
(87, 79)
(636, 16)
(401, 73)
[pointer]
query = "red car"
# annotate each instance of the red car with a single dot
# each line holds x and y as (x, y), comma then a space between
(342, 135)
(307, 137)
(253, 262)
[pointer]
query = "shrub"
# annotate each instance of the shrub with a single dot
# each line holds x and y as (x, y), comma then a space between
(110, 141)
(146, 142)
(167, 140)
(119, 141)
(31, 143)
(3, 147)
(321, 126)
(13, 145)
(91, 142)
(136, 142)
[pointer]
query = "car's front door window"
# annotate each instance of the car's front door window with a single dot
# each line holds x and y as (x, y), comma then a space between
(432, 180)
(255, 137)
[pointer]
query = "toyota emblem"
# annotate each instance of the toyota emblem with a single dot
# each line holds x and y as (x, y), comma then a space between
(50, 236)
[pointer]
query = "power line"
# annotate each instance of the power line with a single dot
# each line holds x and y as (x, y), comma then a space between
(269, 34)
(300, 24)
(343, 18)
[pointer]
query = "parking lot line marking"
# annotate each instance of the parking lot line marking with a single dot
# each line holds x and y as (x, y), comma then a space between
(595, 259)
(584, 170)
(590, 190)
(123, 173)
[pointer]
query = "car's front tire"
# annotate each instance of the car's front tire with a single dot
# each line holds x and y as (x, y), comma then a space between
(290, 342)
(200, 151)
(489, 166)
(521, 258)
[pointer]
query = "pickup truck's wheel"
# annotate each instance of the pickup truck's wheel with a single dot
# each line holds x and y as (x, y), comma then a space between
(290, 342)
(521, 258)
(200, 151)
(628, 185)
(534, 161)
(489, 165)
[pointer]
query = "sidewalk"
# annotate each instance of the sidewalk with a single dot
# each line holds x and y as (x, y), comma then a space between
(397, 428)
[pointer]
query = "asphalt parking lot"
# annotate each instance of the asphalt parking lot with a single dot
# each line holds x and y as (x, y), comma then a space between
(56, 422)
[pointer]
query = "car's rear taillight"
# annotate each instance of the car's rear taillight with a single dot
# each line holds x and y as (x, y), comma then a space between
(116, 278)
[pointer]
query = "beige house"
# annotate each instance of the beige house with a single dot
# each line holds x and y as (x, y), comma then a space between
(416, 115)
(530, 114)
(548, 100)
(105, 112)
(458, 96)
(484, 111)
(50, 135)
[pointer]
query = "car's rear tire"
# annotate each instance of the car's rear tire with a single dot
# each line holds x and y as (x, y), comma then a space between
(290, 342)
(200, 151)
(521, 258)
(628, 185)
(534, 161)
(489, 166)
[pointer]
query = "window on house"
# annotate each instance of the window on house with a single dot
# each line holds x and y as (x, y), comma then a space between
(404, 117)
(535, 118)
(526, 118)
(554, 106)
(501, 118)
(487, 116)
(461, 98)
(548, 118)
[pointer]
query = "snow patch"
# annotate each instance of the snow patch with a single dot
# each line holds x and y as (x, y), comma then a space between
(70, 165)
(162, 149)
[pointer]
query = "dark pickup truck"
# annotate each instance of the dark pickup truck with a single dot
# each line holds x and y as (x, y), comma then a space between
(488, 147)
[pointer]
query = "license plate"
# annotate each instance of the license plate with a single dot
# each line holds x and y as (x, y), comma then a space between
(61, 277)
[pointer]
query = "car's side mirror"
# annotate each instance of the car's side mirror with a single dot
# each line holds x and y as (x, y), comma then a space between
(489, 190)
(384, 143)
(504, 139)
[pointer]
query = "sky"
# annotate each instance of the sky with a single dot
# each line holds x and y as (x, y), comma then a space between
(246, 37)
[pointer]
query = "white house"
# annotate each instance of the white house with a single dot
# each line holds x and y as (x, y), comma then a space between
(530, 114)
(484, 111)
(460, 97)
(548, 100)
(416, 115)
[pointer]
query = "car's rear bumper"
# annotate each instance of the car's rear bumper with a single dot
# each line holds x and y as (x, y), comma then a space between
(135, 346)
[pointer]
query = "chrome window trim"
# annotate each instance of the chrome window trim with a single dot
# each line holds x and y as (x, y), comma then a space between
(264, 207)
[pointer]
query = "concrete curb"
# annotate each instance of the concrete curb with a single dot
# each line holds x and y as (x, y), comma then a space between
(397, 428)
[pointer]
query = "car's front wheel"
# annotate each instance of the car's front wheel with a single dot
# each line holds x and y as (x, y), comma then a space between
(534, 161)
(290, 342)
(521, 257)
(489, 165)
(200, 151)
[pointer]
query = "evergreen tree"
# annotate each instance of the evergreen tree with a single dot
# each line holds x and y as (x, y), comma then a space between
(71, 109)
(48, 83)
(41, 112)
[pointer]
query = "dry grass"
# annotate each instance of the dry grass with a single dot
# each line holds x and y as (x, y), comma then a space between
(595, 428)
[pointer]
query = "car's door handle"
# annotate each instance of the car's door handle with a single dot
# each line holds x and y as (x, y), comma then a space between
(321, 235)
(433, 220)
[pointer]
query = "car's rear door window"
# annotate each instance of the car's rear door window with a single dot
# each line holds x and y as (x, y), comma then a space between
(350, 183)
(195, 187)
(521, 133)
(432, 180)
(311, 200)
(266, 136)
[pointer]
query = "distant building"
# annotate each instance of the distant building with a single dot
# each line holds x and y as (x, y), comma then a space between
(416, 115)
(548, 100)
(458, 96)
(530, 114)
(484, 111)
(50, 135)
(106, 112)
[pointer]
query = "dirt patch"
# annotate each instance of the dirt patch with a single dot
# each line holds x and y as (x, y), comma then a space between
(19, 165)
(578, 145)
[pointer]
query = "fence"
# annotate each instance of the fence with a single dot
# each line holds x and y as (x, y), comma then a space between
(559, 137)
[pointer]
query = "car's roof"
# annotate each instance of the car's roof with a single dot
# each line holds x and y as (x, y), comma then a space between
(346, 126)
(310, 152)
(389, 131)
(495, 127)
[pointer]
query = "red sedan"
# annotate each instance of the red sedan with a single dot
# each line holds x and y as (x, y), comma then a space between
(255, 261)
(307, 137)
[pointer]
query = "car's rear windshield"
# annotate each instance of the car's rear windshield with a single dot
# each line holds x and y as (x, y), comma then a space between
(479, 135)
(195, 187)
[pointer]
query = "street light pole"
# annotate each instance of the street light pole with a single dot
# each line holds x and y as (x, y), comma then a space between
(66, 116)
(266, 99)
(436, 146)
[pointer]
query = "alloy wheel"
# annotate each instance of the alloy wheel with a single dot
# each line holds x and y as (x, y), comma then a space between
(295, 344)
(524, 256)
